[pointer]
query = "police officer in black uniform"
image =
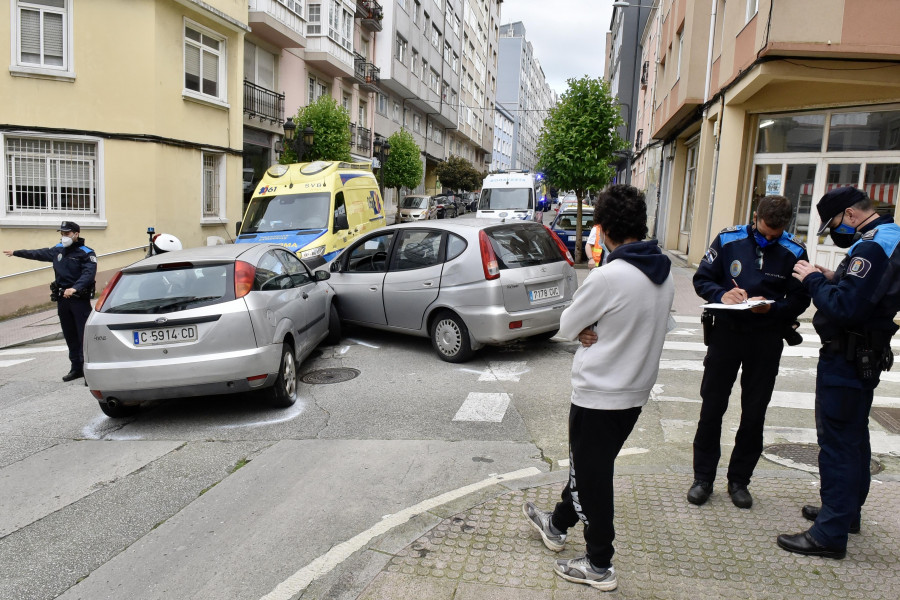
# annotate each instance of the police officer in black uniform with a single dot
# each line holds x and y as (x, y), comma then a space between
(754, 262)
(75, 266)
(856, 306)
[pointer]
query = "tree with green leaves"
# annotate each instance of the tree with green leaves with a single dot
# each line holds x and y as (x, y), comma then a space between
(331, 124)
(579, 141)
(403, 166)
(458, 174)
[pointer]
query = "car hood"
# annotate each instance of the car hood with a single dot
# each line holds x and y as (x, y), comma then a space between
(288, 239)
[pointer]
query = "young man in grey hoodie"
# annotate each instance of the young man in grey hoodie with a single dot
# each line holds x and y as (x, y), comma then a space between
(620, 314)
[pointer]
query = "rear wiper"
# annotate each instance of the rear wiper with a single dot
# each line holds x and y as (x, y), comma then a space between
(143, 304)
(185, 301)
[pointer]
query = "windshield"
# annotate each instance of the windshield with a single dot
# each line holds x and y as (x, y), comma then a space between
(506, 199)
(414, 202)
(169, 290)
(288, 212)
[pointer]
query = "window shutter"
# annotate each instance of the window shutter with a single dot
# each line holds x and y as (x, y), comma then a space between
(30, 35)
(210, 74)
(192, 67)
(53, 39)
(249, 62)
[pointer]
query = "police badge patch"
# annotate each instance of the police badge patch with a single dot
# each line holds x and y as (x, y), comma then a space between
(93, 259)
(859, 267)
(735, 268)
(710, 255)
(59, 256)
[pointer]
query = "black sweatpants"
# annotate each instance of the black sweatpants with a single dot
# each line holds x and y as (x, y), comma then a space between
(595, 438)
(73, 314)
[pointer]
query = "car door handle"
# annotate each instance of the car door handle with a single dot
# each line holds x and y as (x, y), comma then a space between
(428, 283)
(305, 295)
(373, 289)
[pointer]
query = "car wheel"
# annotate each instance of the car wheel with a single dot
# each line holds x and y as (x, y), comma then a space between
(117, 410)
(450, 338)
(334, 326)
(284, 392)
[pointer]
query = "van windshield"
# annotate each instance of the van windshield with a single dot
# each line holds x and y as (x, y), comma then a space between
(506, 199)
(414, 202)
(288, 212)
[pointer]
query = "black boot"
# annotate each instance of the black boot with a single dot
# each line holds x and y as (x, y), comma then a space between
(811, 513)
(75, 373)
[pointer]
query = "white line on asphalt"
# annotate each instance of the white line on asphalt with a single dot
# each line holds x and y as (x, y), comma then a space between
(697, 365)
(366, 344)
(12, 363)
(483, 407)
(780, 399)
(344, 349)
(503, 371)
(475, 371)
(882, 442)
(564, 462)
(39, 350)
(796, 351)
(299, 581)
(287, 415)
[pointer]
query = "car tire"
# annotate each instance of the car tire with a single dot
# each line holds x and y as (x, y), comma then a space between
(334, 326)
(284, 393)
(450, 338)
(118, 411)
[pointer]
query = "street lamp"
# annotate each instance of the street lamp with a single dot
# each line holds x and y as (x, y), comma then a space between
(299, 144)
(382, 149)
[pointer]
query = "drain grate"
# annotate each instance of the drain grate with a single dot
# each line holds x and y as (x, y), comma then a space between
(323, 376)
(800, 455)
(889, 418)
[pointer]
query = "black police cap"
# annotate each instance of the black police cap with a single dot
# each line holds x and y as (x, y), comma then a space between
(835, 202)
(69, 226)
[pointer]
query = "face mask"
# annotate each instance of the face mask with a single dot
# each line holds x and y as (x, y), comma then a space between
(66, 241)
(761, 240)
(843, 235)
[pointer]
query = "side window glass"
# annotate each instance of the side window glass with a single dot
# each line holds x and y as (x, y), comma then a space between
(340, 212)
(417, 249)
(271, 274)
(371, 255)
(455, 246)
(300, 275)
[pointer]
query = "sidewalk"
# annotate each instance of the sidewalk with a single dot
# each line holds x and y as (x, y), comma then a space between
(39, 327)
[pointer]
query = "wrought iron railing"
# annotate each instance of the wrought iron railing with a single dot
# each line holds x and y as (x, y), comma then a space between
(365, 71)
(263, 103)
(363, 139)
(352, 135)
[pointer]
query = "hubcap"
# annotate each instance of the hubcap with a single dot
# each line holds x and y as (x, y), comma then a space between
(448, 337)
(290, 375)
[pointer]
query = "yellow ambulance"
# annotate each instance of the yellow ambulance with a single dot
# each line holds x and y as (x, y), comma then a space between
(315, 208)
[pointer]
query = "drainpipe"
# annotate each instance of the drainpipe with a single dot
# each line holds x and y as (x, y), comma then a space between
(709, 60)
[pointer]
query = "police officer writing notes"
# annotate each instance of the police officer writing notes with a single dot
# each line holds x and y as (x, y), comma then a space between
(75, 266)
(855, 310)
(752, 261)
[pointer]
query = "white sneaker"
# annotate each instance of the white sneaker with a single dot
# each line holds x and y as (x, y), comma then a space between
(580, 570)
(540, 520)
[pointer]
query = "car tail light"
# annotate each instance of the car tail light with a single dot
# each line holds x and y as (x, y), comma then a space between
(97, 394)
(105, 293)
(515, 324)
(562, 247)
(244, 274)
(488, 257)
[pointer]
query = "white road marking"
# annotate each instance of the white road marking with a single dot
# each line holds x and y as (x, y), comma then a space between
(300, 580)
(563, 462)
(344, 349)
(366, 344)
(40, 350)
(795, 351)
(283, 416)
(697, 365)
(483, 407)
(475, 371)
(12, 363)
(503, 371)
(684, 332)
(882, 442)
(801, 400)
(633, 451)
(681, 365)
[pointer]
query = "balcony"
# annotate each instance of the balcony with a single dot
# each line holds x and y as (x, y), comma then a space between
(329, 57)
(645, 74)
(371, 14)
(360, 139)
(367, 74)
(280, 22)
(263, 104)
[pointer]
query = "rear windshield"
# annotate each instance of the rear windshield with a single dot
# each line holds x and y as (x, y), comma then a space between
(523, 246)
(506, 199)
(288, 212)
(170, 290)
(414, 202)
(568, 222)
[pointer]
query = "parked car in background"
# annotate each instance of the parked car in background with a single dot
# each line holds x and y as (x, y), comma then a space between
(464, 284)
(417, 207)
(471, 199)
(565, 226)
(209, 320)
(446, 206)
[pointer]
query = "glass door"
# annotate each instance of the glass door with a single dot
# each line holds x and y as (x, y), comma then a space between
(796, 182)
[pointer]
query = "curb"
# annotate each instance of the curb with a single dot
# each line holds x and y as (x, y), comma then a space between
(48, 337)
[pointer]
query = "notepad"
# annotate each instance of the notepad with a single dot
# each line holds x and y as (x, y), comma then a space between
(741, 306)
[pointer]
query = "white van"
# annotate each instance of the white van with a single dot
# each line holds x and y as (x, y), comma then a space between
(511, 195)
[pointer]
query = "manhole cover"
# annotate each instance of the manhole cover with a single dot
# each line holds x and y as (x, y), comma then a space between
(803, 456)
(329, 375)
(889, 418)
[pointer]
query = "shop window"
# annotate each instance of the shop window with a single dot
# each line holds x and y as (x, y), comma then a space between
(798, 133)
(864, 131)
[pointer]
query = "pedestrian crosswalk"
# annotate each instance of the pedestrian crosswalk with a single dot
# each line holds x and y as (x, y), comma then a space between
(22, 354)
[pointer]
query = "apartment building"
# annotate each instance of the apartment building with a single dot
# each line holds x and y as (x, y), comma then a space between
(137, 127)
(792, 98)
(501, 156)
(523, 92)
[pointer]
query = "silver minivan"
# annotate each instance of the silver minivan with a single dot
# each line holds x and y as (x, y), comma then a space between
(463, 283)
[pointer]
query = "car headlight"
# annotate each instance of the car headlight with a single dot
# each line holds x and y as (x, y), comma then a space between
(313, 252)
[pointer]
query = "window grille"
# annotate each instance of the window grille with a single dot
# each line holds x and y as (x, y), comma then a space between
(212, 174)
(51, 176)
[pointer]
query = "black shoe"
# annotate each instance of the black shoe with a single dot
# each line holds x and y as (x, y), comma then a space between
(699, 492)
(810, 513)
(73, 374)
(740, 496)
(803, 543)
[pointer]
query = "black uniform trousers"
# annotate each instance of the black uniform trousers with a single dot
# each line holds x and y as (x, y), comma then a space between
(73, 314)
(845, 453)
(595, 439)
(758, 353)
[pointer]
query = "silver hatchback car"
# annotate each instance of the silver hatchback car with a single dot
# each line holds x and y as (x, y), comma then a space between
(465, 283)
(209, 320)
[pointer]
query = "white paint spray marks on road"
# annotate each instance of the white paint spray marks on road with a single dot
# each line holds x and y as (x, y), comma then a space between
(360, 343)
(283, 416)
(12, 363)
(33, 350)
(503, 371)
(299, 581)
(483, 407)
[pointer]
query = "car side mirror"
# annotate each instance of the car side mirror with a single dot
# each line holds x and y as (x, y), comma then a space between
(322, 275)
(335, 267)
(340, 222)
(237, 227)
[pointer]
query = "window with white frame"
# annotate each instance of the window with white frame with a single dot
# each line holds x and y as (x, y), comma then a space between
(417, 123)
(752, 8)
(435, 36)
(259, 66)
(316, 89)
(415, 63)
(41, 34)
(295, 6)
(204, 62)
(347, 30)
(400, 50)
(46, 176)
(396, 112)
(680, 52)
(213, 195)
(433, 81)
(381, 105)
(313, 19)
(417, 11)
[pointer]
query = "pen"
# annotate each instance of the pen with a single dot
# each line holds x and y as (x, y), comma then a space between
(735, 284)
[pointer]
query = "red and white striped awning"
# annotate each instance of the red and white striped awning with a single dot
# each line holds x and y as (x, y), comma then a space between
(884, 193)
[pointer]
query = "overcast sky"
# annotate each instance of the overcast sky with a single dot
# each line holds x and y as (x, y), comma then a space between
(568, 36)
